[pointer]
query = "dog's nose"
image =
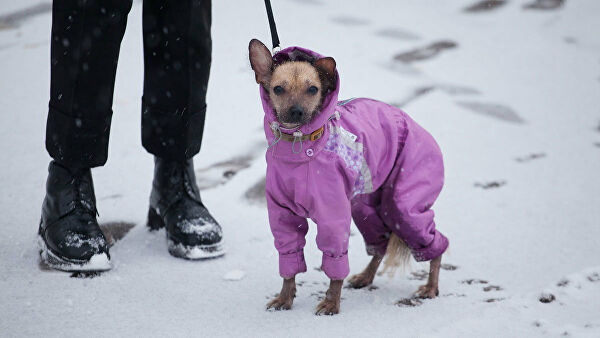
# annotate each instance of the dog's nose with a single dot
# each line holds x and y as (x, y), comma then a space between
(296, 113)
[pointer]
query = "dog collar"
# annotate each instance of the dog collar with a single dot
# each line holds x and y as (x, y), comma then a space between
(297, 135)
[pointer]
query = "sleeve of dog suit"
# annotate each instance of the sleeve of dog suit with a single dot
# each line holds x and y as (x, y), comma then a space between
(289, 231)
(330, 209)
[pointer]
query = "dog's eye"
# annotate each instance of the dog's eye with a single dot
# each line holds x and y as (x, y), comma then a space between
(278, 90)
(313, 90)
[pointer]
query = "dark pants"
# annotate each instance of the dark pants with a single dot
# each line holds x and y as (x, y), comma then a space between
(86, 38)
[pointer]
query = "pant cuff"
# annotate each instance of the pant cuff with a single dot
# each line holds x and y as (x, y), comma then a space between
(77, 142)
(291, 264)
(336, 268)
(173, 135)
(437, 247)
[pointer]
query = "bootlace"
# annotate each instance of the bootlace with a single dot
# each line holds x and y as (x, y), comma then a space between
(84, 204)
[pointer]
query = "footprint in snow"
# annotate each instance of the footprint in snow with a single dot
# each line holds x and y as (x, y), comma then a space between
(544, 4)
(547, 297)
(474, 281)
(490, 185)
(530, 157)
(12, 20)
(409, 302)
(416, 93)
(497, 111)
(419, 92)
(493, 300)
(492, 288)
(350, 21)
(397, 34)
(115, 231)
(456, 90)
(425, 52)
(448, 267)
(484, 6)
(221, 172)
(256, 193)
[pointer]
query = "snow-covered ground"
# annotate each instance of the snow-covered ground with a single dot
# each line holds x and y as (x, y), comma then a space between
(510, 93)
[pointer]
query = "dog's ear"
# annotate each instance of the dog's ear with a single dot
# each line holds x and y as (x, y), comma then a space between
(261, 61)
(326, 67)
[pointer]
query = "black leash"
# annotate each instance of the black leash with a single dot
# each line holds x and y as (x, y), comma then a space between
(274, 36)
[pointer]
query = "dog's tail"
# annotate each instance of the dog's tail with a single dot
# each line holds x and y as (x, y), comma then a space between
(397, 255)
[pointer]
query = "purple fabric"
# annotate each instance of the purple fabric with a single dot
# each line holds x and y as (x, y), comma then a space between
(374, 164)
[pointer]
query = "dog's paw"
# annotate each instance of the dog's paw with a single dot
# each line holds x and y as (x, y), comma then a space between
(427, 291)
(327, 307)
(360, 281)
(280, 303)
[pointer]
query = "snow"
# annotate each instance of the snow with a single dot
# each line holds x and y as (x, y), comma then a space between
(234, 275)
(519, 82)
(198, 227)
(98, 262)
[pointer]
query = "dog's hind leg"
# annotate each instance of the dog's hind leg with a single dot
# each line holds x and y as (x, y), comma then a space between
(430, 290)
(376, 235)
(366, 277)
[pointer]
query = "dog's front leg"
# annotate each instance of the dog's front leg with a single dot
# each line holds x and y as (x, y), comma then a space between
(331, 304)
(285, 298)
(430, 290)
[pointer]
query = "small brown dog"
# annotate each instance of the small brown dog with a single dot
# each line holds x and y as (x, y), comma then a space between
(297, 88)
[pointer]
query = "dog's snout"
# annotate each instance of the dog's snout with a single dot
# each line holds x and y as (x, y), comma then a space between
(296, 113)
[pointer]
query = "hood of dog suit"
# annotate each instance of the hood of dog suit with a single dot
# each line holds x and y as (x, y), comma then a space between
(283, 149)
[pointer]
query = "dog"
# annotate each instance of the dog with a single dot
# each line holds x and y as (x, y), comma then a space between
(333, 161)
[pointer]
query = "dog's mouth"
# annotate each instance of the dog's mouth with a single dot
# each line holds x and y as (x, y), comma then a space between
(289, 122)
(290, 125)
(292, 119)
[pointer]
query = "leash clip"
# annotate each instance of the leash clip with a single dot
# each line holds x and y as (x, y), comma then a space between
(277, 132)
(297, 136)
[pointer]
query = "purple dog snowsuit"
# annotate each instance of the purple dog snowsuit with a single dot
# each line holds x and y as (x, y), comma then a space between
(373, 164)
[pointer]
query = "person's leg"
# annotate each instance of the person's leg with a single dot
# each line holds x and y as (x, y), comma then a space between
(85, 42)
(177, 56)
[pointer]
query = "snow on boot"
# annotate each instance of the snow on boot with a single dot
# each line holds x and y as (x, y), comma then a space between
(192, 233)
(69, 236)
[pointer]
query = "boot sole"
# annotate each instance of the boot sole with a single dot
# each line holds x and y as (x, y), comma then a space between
(97, 263)
(197, 252)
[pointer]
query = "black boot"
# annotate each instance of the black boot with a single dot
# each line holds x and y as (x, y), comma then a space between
(69, 236)
(192, 233)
